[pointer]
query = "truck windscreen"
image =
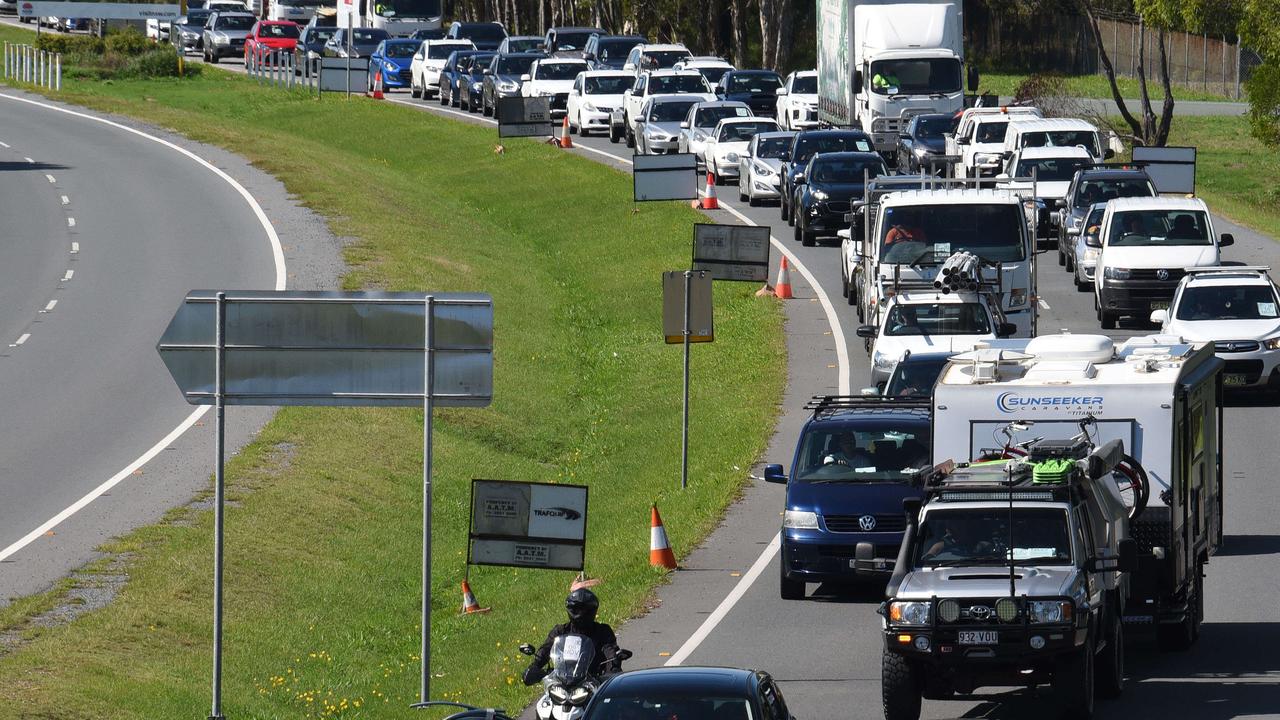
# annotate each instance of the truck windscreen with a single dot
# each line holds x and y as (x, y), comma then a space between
(915, 77)
(408, 9)
(929, 234)
(981, 537)
(863, 454)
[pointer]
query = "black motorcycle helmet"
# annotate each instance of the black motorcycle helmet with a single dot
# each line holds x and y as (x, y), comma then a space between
(582, 605)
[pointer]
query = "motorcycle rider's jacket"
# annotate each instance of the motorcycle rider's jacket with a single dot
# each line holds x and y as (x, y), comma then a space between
(606, 650)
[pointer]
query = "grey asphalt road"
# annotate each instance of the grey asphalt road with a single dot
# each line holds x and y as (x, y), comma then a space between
(116, 229)
(826, 649)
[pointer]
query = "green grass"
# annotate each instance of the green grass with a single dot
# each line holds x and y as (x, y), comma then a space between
(1235, 173)
(1096, 86)
(323, 539)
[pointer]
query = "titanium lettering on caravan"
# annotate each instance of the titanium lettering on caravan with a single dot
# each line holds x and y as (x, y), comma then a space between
(1010, 402)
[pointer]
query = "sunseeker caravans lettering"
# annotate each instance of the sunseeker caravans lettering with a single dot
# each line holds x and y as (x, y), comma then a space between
(1012, 402)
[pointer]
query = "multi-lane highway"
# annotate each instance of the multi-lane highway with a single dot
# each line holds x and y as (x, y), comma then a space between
(723, 607)
(105, 230)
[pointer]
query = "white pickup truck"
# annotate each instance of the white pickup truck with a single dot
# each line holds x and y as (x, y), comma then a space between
(979, 138)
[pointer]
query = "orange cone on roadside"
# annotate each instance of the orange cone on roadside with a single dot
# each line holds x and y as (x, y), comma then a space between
(565, 140)
(469, 604)
(709, 201)
(660, 554)
(783, 288)
(377, 85)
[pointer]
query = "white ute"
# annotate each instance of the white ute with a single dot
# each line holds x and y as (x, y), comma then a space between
(594, 97)
(553, 78)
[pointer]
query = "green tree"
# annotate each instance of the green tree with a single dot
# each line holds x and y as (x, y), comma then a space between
(1260, 30)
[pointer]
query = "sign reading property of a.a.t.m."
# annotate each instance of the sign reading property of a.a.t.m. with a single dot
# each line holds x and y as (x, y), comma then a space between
(528, 524)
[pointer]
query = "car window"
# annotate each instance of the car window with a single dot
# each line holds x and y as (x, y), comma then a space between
(807, 85)
(668, 111)
(937, 319)
(929, 234)
(607, 85)
(887, 450)
(677, 84)
(369, 36)
(1159, 228)
(982, 536)
(559, 70)
(234, 22)
(1104, 189)
(278, 31)
(707, 117)
(754, 83)
(774, 147)
(991, 132)
(1051, 169)
(809, 145)
(1062, 138)
(514, 65)
(744, 131)
(574, 40)
(840, 170)
(1223, 302)
(914, 378)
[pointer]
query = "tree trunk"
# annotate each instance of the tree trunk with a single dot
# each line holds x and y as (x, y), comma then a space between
(1110, 70)
(1148, 115)
(1166, 110)
(784, 43)
(768, 31)
(738, 13)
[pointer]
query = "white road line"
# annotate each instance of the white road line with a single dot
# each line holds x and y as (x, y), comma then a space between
(4, 144)
(21, 339)
(33, 162)
(277, 256)
(70, 274)
(52, 304)
(71, 222)
(740, 589)
(1043, 305)
(50, 177)
(75, 248)
(66, 200)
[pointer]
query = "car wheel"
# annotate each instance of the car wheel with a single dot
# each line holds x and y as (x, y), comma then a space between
(1071, 262)
(582, 129)
(1107, 319)
(899, 687)
(807, 238)
(752, 201)
(1062, 257)
(613, 133)
(742, 195)
(414, 91)
(782, 208)
(631, 139)
(1110, 668)
(485, 108)
(444, 101)
(1073, 682)
(1081, 285)
(789, 589)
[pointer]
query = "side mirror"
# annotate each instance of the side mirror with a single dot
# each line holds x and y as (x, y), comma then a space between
(526, 648)
(972, 79)
(524, 77)
(866, 331)
(1159, 317)
(799, 178)
(774, 474)
(780, 91)
(857, 81)
(1073, 231)
(1226, 240)
(487, 71)
(962, 141)
(1060, 203)
(1006, 329)
(588, 56)
(870, 391)
(684, 125)
(1108, 154)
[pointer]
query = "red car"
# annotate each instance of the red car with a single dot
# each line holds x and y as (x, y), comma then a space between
(271, 35)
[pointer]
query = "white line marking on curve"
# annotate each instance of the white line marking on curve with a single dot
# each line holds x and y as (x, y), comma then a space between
(75, 248)
(66, 200)
(33, 162)
(277, 257)
(4, 144)
(71, 222)
(50, 177)
(52, 304)
(1043, 305)
(70, 274)
(21, 339)
(740, 589)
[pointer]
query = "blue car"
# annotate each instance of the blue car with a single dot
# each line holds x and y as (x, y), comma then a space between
(471, 81)
(757, 88)
(392, 58)
(857, 460)
(454, 68)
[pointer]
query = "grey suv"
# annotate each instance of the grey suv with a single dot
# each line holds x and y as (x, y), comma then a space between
(224, 35)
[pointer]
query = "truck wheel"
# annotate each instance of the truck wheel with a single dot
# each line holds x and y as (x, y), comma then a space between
(788, 589)
(899, 688)
(1110, 669)
(1073, 682)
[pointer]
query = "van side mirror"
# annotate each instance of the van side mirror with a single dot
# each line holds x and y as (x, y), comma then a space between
(1108, 154)
(1226, 240)
(1006, 329)
(857, 81)
(773, 474)
(866, 331)
(780, 91)
(684, 125)
(972, 79)
(1158, 317)
(524, 77)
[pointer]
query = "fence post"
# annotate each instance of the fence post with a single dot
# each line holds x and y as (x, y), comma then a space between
(1237, 67)
(1133, 41)
(1224, 64)
(1204, 61)
(57, 70)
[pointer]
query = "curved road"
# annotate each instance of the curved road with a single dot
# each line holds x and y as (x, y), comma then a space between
(104, 233)
(825, 650)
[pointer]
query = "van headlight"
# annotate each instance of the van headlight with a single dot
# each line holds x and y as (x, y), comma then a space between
(1017, 297)
(1116, 273)
(800, 520)
(909, 613)
(1053, 612)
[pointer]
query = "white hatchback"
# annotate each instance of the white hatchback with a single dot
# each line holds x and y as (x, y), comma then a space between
(728, 141)
(594, 97)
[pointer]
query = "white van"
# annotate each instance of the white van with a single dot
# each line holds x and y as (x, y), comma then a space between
(1056, 132)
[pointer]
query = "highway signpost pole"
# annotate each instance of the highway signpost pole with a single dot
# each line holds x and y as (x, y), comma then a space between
(684, 438)
(219, 410)
(428, 380)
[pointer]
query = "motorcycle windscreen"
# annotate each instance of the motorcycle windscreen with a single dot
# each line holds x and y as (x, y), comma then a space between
(571, 657)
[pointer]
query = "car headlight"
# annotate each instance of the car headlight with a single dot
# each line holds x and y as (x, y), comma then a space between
(731, 157)
(580, 695)
(1091, 256)
(986, 158)
(800, 520)
(391, 67)
(820, 195)
(883, 361)
(656, 135)
(1272, 344)
(558, 693)
(1050, 611)
(762, 170)
(1076, 221)
(507, 86)
(910, 613)
(588, 107)
(1116, 273)
(1017, 297)
(221, 38)
(699, 135)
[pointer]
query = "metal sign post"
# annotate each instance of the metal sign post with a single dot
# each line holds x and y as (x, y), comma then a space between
(686, 319)
(334, 349)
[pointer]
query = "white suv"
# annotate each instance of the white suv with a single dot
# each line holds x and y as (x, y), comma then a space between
(1238, 310)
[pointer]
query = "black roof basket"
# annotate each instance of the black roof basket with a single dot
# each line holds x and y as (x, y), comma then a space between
(831, 403)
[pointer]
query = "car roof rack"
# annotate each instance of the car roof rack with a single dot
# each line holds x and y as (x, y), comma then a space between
(1050, 471)
(1227, 269)
(1130, 165)
(822, 404)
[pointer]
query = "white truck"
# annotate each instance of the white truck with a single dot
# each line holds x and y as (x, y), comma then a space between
(299, 11)
(908, 232)
(400, 18)
(880, 62)
(979, 138)
(1156, 394)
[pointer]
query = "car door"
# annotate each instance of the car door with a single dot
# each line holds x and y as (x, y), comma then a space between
(574, 101)
(636, 98)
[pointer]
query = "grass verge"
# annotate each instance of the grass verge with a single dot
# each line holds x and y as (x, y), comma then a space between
(1235, 173)
(323, 540)
(1096, 86)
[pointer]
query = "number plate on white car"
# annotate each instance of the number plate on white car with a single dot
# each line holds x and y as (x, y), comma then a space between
(1235, 380)
(979, 637)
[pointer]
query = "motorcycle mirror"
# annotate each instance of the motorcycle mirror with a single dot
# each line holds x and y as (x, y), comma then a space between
(526, 648)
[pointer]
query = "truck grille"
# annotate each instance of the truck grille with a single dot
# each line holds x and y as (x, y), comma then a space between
(851, 523)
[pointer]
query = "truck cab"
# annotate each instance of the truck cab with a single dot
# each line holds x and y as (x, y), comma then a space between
(851, 471)
(979, 138)
(1014, 572)
(1147, 244)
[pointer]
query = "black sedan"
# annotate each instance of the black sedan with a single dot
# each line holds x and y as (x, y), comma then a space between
(921, 142)
(471, 81)
(826, 189)
(502, 78)
(700, 693)
(454, 68)
(310, 47)
(757, 88)
(808, 143)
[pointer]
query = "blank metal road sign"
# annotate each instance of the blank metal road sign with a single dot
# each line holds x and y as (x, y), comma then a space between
(523, 116)
(664, 177)
(333, 348)
(732, 252)
(700, 327)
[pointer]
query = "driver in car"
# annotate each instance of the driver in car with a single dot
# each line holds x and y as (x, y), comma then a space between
(962, 537)
(849, 454)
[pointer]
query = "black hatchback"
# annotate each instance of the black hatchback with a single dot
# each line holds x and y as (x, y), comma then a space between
(688, 692)
(826, 189)
(805, 145)
(757, 88)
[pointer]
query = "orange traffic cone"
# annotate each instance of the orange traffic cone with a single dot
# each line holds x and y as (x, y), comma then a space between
(783, 288)
(565, 140)
(469, 604)
(660, 554)
(377, 85)
(709, 201)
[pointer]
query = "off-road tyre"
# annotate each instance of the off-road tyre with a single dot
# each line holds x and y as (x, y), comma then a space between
(1110, 663)
(1073, 683)
(899, 687)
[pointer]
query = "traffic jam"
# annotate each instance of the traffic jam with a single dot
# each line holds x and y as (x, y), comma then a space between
(1030, 500)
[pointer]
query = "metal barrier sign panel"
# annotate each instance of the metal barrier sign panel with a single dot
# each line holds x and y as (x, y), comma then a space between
(523, 116)
(525, 524)
(1172, 169)
(100, 10)
(732, 252)
(333, 74)
(700, 326)
(664, 177)
(333, 348)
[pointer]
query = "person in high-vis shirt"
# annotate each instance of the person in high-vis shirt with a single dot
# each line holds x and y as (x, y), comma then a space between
(884, 80)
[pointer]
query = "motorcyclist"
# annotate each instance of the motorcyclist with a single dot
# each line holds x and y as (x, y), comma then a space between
(582, 605)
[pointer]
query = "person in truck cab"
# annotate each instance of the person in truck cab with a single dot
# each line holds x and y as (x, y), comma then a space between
(962, 538)
(884, 81)
(904, 233)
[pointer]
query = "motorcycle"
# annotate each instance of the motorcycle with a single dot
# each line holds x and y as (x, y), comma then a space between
(570, 685)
